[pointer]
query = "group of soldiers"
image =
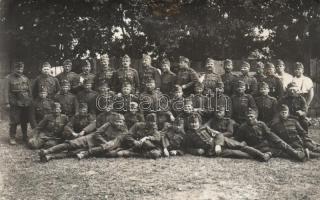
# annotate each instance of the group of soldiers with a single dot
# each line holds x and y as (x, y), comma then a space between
(154, 113)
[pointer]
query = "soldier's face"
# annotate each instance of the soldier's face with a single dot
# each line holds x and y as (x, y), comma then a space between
(57, 110)
(105, 61)
(252, 119)
(119, 123)
(150, 86)
(165, 67)
(152, 125)
(264, 91)
(298, 72)
(126, 63)
(241, 89)
(198, 90)
(260, 70)
(284, 114)
(244, 70)
(179, 124)
(83, 111)
(65, 88)
(133, 108)
(67, 67)
(220, 90)
(210, 66)
(103, 90)
(194, 125)
(220, 114)
(292, 91)
(178, 93)
(183, 64)
(43, 95)
(45, 70)
(19, 70)
(270, 71)
(280, 68)
(228, 67)
(188, 108)
(146, 61)
(126, 90)
(86, 68)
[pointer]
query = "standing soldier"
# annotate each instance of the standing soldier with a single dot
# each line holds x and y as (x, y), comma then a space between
(45, 80)
(20, 100)
(228, 78)
(186, 76)
(126, 74)
(250, 82)
(86, 72)
(105, 75)
(70, 76)
(168, 78)
(259, 75)
(241, 102)
(88, 96)
(275, 85)
(149, 72)
(69, 103)
(211, 78)
(41, 106)
(284, 77)
(304, 83)
(267, 105)
(49, 131)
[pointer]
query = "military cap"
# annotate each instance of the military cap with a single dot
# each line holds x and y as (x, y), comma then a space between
(187, 101)
(177, 88)
(165, 61)
(56, 105)
(87, 81)
(104, 56)
(83, 105)
(260, 65)
(269, 65)
(252, 112)
(65, 83)
(85, 63)
(263, 85)
(198, 85)
(279, 62)
(227, 61)
(46, 64)
(152, 117)
(125, 57)
(245, 64)
(298, 65)
(146, 56)
(18, 64)
(292, 85)
(220, 84)
(284, 107)
(103, 85)
(221, 108)
(241, 83)
(67, 62)
(118, 117)
(184, 59)
(209, 60)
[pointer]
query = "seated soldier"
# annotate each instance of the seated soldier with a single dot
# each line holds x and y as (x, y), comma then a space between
(173, 138)
(221, 123)
(257, 135)
(41, 106)
(122, 100)
(69, 103)
(187, 112)
(106, 136)
(291, 132)
(176, 101)
(164, 117)
(103, 100)
(199, 101)
(267, 105)
(49, 130)
(205, 141)
(88, 96)
(133, 115)
(76, 127)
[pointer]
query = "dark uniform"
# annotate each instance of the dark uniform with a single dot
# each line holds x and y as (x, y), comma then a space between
(41, 107)
(187, 77)
(211, 78)
(219, 99)
(132, 118)
(168, 78)
(275, 86)
(173, 138)
(72, 77)
(49, 131)
(149, 72)
(46, 81)
(20, 100)
(68, 101)
(88, 96)
(105, 77)
(176, 103)
(122, 102)
(259, 75)
(224, 125)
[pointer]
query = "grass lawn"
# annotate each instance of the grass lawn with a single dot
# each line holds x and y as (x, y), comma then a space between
(23, 177)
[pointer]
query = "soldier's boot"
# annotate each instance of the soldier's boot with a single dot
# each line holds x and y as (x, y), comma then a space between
(24, 130)
(298, 155)
(255, 153)
(12, 134)
(314, 154)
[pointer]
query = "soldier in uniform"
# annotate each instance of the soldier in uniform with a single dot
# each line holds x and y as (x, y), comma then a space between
(69, 103)
(164, 118)
(250, 81)
(126, 74)
(88, 96)
(49, 131)
(275, 85)
(241, 102)
(199, 101)
(149, 72)
(211, 78)
(133, 115)
(45, 80)
(220, 99)
(86, 72)
(186, 76)
(205, 141)
(291, 132)
(221, 123)
(75, 127)
(168, 78)
(103, 99)
(105, 76)
(228, 78)
(122, 100)
(41, 106)
(304, 83)
(20, 100)
(257, 135)
(106, 136)
(70, 76)
(284, 77)
(177, 100)
(266, 104)
(259, 75)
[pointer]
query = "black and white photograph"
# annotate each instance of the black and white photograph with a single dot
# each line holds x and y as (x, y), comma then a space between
(159, 99)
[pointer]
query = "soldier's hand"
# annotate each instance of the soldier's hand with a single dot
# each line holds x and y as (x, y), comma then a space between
(81, 133)
(218, 149)
(144, 139)
(119, 95)
(166, 152)
(137, 143)
(173, 152)
(74, 134)
(300, 112)
(183, 86)
(172, 118)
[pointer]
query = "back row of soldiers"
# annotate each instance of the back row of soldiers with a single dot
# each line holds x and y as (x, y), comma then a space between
(119, 113)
